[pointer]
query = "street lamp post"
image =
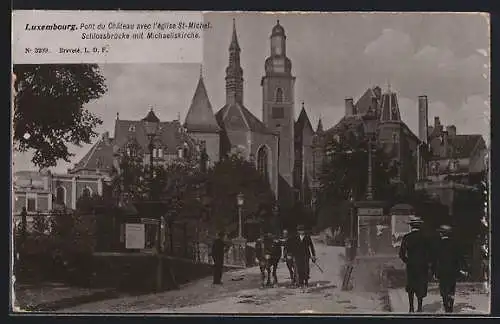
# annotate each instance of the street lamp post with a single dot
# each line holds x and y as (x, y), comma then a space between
(370, 124)
(151, 124)
(240, 200)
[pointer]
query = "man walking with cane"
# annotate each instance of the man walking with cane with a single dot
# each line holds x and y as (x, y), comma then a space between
(414, 253)
(304, 251)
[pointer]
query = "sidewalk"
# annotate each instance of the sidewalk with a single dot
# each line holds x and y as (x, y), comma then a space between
(469, 299)
(54, 296)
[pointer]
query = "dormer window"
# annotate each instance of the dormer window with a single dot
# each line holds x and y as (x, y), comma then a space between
(180, 153)
(160, 152)
(131, 128)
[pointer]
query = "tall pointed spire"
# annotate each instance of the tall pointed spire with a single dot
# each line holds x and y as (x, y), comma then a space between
(234, 39)
(234, 72)
(319, 129)
(303, 120)
(200, 117)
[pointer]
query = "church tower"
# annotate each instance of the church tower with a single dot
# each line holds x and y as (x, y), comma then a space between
(234, 72)
(278, 103)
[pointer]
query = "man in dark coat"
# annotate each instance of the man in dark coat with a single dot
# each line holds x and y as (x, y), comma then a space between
(447, 265)
(415, 254)
(218, 250)
(287, 253)
(303, 252)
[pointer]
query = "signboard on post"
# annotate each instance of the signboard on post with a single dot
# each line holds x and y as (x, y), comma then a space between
(134, 236)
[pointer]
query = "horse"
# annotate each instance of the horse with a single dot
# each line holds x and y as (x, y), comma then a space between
(268, 256)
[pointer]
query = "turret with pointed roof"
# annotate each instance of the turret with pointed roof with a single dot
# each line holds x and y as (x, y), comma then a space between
(303, 121)
(200, 117)
(389, 107)
(319, 129)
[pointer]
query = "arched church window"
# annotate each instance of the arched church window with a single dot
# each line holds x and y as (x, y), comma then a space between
(60, 195)
(262, 162)
(279, 95)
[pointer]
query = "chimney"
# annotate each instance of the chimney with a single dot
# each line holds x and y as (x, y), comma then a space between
(437, 122)
(349, 107)
(452, 130)
(423, 115)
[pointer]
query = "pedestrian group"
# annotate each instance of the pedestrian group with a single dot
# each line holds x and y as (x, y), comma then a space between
(424, 259)
(295, 251)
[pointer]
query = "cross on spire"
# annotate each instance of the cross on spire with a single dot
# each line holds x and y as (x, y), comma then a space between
(201, 70)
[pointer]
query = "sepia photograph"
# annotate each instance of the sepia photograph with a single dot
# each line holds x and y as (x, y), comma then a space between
(312, 163)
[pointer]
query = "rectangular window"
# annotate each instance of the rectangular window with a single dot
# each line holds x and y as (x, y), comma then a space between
(278, 112)
(31, 204)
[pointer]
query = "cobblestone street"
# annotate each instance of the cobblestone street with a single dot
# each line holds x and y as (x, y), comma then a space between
(241, 293)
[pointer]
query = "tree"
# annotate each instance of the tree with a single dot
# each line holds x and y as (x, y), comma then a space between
(231, 176)
(344, 173)
(49, 109)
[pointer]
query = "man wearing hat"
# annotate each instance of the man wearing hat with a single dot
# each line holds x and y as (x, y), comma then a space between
(218, 249)
(304, 251)
(414, 253)
(447, 265)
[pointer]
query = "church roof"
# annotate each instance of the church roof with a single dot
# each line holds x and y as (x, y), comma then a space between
(303, 121)
(236, 116)
(200, 117)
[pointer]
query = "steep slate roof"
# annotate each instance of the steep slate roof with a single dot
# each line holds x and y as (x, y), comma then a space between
(390, 107)
(200, 117)
(463, 146)
(100, 156)
(236, 116)
(366, 100)
(303, 121)
(170, 134)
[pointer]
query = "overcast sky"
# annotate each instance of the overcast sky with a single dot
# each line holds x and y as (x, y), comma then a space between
(334, 56)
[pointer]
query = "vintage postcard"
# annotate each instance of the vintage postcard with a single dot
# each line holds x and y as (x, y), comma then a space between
(250, 162)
